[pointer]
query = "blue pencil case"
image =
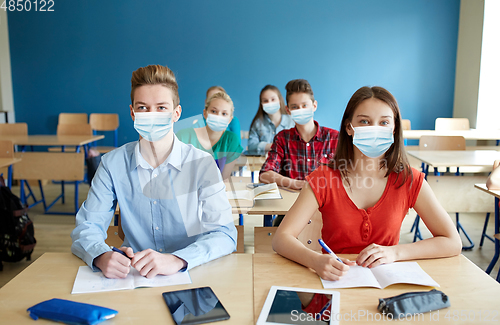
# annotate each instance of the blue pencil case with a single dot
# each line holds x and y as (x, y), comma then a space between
(71, 312)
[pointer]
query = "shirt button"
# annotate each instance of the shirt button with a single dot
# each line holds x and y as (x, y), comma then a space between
(307, 144)
(308, 159)
(155, 175)
(154, 202)
(157, 228)
(161, 250)
(366, 224)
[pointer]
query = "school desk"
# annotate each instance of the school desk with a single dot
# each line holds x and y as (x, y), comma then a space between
(253, 164)
(8, 162)
(496, 194)
(482, 159)
(472, 293)
(472, 134)
(52, 276)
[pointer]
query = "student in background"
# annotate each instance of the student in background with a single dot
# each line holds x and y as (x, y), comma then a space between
(271, 118)
(296, 152)
(364, 194)
(234, 125)
(493, 181)
(213, 138)
(174, 211)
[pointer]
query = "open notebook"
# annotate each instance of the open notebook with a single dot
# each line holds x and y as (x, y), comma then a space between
(90, 281)
(382, 276)
(263, 192)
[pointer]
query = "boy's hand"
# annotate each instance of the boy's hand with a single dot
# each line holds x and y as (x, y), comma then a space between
(114, 265)
(374, 255)
(150, 263)
(328, 268)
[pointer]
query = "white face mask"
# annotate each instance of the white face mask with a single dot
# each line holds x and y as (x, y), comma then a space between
(373, 141)
(302, 115)
(217, 123)
(271, 108)
(153, 126)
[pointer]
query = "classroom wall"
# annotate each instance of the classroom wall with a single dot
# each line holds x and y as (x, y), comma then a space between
(79, 58)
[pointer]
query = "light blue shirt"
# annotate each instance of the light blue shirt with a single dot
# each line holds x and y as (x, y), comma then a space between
(263, 131)
(180, 207)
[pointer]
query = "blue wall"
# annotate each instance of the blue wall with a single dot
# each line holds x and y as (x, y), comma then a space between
(81, 56)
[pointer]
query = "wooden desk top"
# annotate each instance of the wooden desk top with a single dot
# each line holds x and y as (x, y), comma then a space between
(278, 207)
(469, 288)
(482, 187)
(51, 140)
(472, 134)
(457, 158)
(53, 274)
(5, 162)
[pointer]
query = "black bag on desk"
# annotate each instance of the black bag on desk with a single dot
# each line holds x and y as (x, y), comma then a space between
(411, 303)
(17, 234)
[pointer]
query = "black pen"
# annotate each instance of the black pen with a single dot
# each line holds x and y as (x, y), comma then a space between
(114, 249)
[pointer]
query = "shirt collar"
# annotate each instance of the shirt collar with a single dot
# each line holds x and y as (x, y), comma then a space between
(174, 159)
(316, 136)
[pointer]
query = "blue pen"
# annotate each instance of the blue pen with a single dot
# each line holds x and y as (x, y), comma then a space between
(114, 249)
(328, 250)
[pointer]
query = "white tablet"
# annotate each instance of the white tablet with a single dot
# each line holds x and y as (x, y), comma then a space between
(288, 305)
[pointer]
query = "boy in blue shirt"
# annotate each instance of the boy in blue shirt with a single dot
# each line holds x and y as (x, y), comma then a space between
(174, 211)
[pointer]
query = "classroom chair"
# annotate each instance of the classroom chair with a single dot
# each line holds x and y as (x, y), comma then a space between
(406, 124)
(14, 129)
(7, 151)
(263, 236)
(71, 129)
(454, 123)
(100, 122)
(432, 142)
(72, 118)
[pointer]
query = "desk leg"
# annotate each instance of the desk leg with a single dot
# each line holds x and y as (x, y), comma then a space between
(497, 242)
(9, 183)
(268, 220)
(459, 226)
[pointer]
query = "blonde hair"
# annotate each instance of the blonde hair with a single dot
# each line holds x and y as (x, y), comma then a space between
(155, 75)
(222, 96)
(219, 88)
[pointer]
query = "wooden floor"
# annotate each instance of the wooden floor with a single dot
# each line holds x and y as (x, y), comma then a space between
(53, 232)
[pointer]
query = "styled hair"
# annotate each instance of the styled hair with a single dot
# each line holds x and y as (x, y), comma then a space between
(395, 157)
(298, 86)
(260, 112)
(213, 88)
(220, 95)
(155, 75)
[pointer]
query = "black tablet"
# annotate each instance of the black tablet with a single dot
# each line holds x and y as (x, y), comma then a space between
(195, 306)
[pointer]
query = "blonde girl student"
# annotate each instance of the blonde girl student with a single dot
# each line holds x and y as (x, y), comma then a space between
(271, 118)
(364, 194)
(213, 138)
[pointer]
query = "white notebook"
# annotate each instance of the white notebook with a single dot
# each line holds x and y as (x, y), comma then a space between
(382, 276)
(263, 192)
(89, 281)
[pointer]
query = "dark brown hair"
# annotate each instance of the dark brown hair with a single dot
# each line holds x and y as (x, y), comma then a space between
(298, 86)
(260, 112)
(395, 157)
(155, 75)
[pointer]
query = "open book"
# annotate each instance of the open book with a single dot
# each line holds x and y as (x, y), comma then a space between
(382, 276)
(90, 281)
(263, 192)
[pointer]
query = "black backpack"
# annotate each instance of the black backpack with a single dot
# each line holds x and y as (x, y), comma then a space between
(17, 235)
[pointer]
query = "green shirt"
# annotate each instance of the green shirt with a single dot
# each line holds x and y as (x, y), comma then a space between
(225, 151)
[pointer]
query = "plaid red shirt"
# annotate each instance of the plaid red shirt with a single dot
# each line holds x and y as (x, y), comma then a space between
(292, 157)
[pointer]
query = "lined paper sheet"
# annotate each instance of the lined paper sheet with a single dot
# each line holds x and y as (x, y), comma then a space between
(89, 281)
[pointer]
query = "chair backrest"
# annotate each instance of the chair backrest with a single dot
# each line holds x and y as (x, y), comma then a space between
(406, 124)
(14, 129)
(74, 129)
(73, 118)
(104, 122)
(244, 134)
(455, 123)
(441, 142)
(6, 149)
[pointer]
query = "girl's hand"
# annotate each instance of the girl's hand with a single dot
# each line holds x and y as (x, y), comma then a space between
(328, 268)
(374, 255)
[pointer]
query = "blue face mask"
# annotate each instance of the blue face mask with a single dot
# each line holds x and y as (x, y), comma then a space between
(373, 141)
(302, 115)
(153, 126)
(217, 123)
(271, 108)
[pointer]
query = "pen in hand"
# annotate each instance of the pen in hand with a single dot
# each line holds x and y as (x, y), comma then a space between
(328, 250)
(114, 249)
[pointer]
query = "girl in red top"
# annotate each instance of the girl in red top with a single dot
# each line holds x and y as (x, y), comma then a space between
(364, 194)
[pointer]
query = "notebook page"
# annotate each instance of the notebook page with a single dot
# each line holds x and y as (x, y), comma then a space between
(161, 280)
(402, 272)
(357, 276)
(89, 281)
